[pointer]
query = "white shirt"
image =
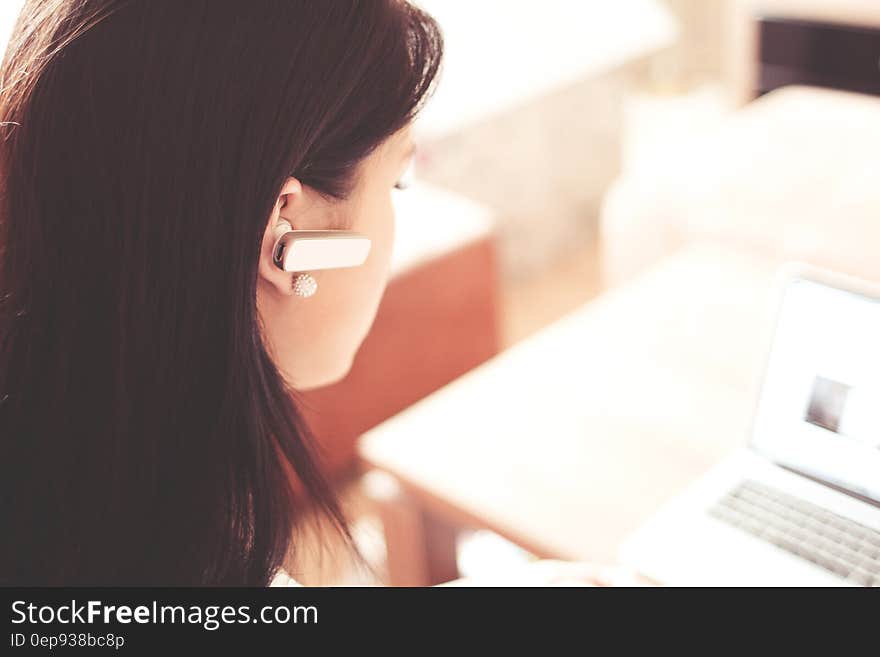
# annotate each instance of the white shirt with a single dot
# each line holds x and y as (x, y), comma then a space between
(283, 579)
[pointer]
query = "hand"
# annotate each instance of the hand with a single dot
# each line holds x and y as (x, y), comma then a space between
(551, 572)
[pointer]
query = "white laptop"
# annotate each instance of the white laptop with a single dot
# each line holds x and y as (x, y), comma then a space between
(801, 505)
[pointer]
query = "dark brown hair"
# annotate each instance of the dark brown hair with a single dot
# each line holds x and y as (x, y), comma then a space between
(146, 436)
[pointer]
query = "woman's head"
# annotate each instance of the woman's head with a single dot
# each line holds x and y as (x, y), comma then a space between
(313, 340)
(148, 347)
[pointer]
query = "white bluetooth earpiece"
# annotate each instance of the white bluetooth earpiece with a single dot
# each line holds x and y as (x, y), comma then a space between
(302, 251)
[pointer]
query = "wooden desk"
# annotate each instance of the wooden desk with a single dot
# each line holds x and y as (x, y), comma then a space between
(566, 442)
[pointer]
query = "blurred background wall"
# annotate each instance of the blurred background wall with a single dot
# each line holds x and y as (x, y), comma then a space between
(698, 56)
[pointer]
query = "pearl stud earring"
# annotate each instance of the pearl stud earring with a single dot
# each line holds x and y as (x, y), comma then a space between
(304, 285)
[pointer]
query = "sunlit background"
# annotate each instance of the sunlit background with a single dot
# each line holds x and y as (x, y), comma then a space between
(641, 166)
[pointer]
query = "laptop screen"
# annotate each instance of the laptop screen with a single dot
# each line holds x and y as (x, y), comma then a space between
(819, 409)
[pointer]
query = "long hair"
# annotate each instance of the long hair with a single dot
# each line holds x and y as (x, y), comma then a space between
(146, 435)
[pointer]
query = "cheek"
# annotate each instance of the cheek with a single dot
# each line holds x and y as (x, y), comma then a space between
(347, 299)
(366, 284)
(384, 240)
(374, 273)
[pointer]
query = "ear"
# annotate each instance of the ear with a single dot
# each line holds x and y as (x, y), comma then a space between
(289, 198)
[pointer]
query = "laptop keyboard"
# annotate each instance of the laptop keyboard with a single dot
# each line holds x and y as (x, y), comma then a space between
(843, 547)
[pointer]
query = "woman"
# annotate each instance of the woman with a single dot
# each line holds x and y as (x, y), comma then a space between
(153, 151)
